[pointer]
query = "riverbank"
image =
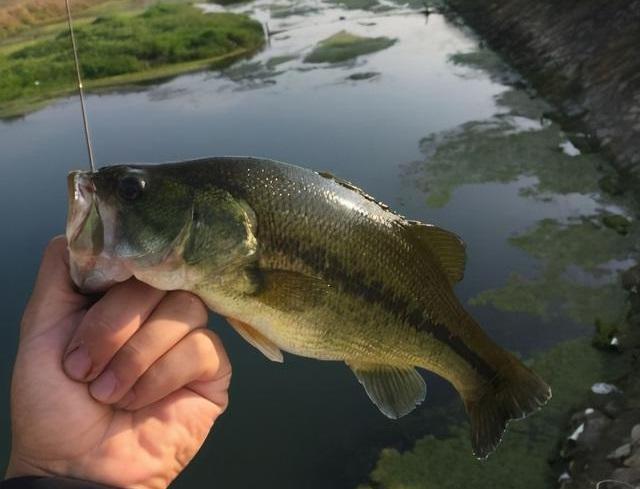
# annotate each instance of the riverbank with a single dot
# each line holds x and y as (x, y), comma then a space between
(602, 439)
(160, 42)
(582, 56)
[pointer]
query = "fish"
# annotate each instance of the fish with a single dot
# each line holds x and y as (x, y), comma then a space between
(302, 262)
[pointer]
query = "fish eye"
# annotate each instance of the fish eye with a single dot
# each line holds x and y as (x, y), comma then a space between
(130, 187)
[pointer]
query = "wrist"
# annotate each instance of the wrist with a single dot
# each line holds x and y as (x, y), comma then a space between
(19, 467)
(22, 468)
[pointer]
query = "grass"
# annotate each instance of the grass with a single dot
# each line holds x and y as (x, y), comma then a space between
(17, 15)
(344, 46)
(162, 41)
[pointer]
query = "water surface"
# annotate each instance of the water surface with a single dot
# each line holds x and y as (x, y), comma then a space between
(439, 141)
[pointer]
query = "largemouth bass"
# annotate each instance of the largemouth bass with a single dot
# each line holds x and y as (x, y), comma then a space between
(306, 263)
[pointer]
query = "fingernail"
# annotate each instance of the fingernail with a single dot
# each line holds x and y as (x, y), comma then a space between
(126, 400)
(102, 388)
(77, 364)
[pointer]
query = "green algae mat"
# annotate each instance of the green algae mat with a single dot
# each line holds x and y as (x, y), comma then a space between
(345, 46)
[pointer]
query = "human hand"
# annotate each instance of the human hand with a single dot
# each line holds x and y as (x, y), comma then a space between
(150, 380)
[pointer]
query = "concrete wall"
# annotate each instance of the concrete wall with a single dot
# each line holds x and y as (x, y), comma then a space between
(583, 55)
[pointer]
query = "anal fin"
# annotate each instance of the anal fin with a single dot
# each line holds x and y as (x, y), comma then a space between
(255, 338)
(396, 391)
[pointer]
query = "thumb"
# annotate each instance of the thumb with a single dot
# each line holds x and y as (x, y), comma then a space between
(54, 296)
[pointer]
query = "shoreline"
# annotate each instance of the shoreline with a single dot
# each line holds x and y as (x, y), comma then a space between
(24, 107)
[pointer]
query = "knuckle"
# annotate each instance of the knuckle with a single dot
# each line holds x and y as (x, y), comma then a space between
(219, 349)
(152, 379)
(101, 324)
(201, 343)
(189, 306)
(131, 362)
(209, 351)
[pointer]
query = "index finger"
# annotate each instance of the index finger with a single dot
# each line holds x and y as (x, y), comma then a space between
(54, 295)
(108, 325)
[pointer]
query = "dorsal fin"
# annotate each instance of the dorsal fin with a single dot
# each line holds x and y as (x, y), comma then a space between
(446, 246)
(351, 186)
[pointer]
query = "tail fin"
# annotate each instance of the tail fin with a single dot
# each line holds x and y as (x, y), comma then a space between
(513, 393)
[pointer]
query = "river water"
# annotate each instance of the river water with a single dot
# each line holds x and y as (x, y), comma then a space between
(440, 137)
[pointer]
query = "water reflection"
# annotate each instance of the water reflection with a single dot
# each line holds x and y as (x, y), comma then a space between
(579, 254)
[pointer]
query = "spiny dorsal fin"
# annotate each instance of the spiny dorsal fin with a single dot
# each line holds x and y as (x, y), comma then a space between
(396, 391)
(446, 246)
(351, 186)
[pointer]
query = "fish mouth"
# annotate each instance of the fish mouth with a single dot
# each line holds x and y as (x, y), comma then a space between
(93, 266)
(81, 191)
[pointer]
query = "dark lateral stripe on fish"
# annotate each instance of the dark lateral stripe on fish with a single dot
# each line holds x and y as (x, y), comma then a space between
(354, 283)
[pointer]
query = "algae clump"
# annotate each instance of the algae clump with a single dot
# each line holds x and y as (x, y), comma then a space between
(228, 2)
(576, 276)
(357, 4)
(344, 46)
(618, 223)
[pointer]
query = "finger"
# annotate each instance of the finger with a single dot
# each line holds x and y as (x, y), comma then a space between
(54, 296)
(177, 315)
(197, 361)
(107, 326)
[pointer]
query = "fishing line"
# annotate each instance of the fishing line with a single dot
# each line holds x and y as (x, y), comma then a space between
(83, 108)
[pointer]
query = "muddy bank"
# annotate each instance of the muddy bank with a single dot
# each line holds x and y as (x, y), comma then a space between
(602, 443)
(582, 56)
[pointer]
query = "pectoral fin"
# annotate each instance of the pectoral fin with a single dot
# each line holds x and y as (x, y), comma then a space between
(261, 342)
(395, 390)
(292, 291)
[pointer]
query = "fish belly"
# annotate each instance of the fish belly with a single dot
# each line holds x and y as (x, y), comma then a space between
(342, 328)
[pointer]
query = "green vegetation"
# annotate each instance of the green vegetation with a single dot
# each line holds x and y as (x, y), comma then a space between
(344, 46)
(500, 150)
(575, 277)
(279, 60)
(481, 59)
(257, 74)
(367, 75)
(522, 460)
(606, 332)
(357, 4)
(618, 223)
(164, 40)
(281, 11)
(228, 2)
